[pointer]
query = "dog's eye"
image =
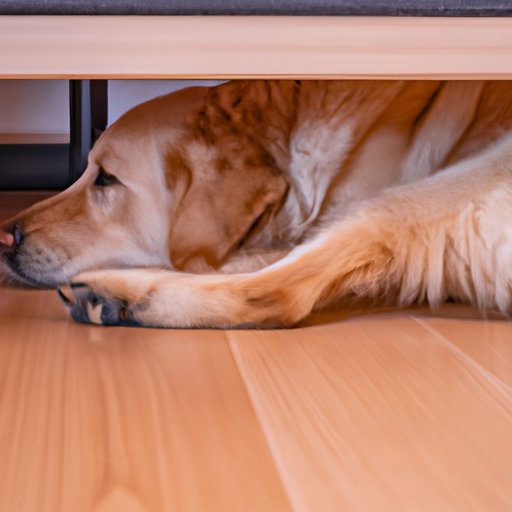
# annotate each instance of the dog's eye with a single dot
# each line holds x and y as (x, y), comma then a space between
(104, 179)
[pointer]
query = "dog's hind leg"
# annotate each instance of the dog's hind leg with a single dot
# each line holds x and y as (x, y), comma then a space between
(446, 236)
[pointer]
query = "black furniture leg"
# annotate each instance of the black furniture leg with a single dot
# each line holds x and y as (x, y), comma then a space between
(99, 107)
(80, 127)
(88, 111)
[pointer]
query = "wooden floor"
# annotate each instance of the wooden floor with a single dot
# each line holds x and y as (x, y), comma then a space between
(378, 411)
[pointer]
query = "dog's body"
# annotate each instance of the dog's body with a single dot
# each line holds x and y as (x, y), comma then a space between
(400, 191)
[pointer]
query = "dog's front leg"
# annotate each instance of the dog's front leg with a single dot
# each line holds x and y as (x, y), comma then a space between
(351, 255)
(161, 298)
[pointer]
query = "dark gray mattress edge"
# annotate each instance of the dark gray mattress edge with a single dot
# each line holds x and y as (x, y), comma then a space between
(260, 7)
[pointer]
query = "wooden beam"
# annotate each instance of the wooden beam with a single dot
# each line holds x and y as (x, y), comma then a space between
(254, 47)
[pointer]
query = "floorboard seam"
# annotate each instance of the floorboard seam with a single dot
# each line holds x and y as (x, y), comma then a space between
(504, 389)
(295, 501)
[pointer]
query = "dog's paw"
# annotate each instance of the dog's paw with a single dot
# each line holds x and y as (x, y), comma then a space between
(91, 306)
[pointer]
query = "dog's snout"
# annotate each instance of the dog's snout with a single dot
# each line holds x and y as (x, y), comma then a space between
(11, 237)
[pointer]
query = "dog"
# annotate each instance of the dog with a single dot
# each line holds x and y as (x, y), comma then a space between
(254, 203)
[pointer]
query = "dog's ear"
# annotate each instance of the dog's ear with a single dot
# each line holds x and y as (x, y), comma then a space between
(233, 157)
(226, 200)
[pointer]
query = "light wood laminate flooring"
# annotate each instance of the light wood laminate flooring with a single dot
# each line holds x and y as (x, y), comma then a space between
(352, 411)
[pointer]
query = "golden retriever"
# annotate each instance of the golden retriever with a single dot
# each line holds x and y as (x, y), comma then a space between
(253, 203)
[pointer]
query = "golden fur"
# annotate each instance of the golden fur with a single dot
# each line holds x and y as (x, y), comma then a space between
(391, 190)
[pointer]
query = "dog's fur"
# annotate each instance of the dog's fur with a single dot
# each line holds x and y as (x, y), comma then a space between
(391, 190)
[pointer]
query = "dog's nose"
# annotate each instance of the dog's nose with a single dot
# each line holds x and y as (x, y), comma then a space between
(6, 239)
(11, 237)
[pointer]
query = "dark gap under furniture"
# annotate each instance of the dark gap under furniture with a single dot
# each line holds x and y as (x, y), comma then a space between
(260, 7)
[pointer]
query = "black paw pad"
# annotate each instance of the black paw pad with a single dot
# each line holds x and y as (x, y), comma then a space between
(117, 312)
(89, 307)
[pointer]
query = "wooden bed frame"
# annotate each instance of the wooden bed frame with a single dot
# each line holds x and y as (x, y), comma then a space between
(254, 47)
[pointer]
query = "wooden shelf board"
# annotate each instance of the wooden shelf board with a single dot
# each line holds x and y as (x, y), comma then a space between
(254, 47)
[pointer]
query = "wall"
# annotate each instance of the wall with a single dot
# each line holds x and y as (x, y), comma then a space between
(34, 106)
(125, 94)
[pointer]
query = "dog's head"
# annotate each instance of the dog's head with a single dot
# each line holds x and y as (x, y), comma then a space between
(178, 181)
